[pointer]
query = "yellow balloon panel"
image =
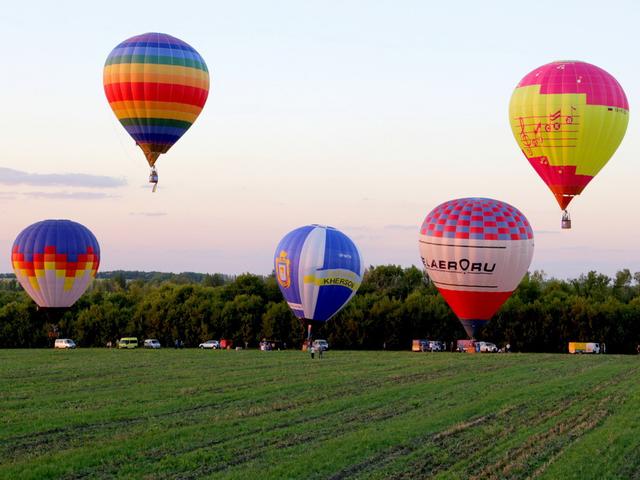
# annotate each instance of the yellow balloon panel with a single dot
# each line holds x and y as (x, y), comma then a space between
(565, 130)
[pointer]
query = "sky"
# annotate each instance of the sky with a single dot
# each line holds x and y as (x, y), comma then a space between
(363, 115)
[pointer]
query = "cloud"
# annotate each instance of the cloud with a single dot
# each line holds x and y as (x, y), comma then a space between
(402, 227)
(148, 214)
(9, 176)
(364, 236)
(354, 227)
(371, 228)
(70, 195)
(546, 232)
(582, 251)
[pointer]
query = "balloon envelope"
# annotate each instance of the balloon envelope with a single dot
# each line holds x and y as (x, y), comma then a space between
(568, 119)
(319, 269)
(476, 251)
(54, 261)
(157, 86)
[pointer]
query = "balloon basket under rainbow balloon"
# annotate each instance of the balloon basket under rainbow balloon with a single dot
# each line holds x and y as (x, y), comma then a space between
(153, 178)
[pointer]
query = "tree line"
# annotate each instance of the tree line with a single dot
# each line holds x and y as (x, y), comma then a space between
(393, 306)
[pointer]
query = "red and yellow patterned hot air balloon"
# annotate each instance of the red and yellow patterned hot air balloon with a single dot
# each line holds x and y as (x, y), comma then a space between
(157, 86)
(568, 119)
(55, 261)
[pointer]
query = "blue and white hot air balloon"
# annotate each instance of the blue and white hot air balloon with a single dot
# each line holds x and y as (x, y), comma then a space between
(319, 269)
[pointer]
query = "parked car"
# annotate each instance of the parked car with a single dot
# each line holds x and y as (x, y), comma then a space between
(486, 347)
(128, 342)
(64, 343)
(211, 344)
(321, 345)
(151, 343)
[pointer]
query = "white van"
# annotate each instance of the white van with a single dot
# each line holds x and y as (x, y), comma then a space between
(64, 343)
(151, 343)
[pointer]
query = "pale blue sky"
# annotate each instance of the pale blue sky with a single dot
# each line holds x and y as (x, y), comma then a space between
(361, 115)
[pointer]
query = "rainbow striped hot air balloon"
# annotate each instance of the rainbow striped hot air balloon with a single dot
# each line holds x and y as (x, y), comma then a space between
(568, 119)
(55, 261)
(157, 86)
(476, 251)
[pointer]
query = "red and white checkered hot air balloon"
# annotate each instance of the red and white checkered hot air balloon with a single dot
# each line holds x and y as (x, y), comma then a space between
(476, 251)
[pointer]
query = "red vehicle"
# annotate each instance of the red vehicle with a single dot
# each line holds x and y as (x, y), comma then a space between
(226, 344)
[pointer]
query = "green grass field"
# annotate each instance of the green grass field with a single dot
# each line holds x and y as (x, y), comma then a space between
(224, 414)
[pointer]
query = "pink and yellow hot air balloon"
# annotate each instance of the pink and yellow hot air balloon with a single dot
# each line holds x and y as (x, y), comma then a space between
(476, 251)
(157, 86)
(568, 119)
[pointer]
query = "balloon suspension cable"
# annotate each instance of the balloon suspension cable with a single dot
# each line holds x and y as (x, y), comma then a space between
(309, 335)
(566, 220)
(153, 178)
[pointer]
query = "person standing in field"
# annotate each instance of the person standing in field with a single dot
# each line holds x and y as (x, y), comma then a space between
(311, 350)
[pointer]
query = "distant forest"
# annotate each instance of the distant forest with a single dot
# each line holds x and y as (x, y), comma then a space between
(393, 306)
